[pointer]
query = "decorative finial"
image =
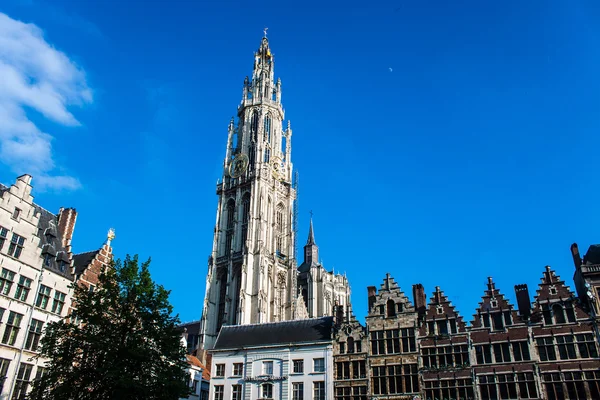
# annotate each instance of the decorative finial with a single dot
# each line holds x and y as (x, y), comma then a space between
(311, 214)
(110, 236)
(265, 32)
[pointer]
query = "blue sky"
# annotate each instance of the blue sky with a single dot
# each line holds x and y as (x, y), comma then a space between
(440, 141)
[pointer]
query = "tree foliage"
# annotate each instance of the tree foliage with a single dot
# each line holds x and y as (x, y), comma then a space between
(125, 344)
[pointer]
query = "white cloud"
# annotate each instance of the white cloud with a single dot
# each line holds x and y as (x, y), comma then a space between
(35, 76)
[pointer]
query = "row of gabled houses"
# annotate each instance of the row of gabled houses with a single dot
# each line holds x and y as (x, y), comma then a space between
(37, 270)
(542, 349)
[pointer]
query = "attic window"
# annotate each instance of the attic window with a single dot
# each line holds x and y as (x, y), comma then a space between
(440, 310)
(16, 213)
(553, 290)
(494, 303)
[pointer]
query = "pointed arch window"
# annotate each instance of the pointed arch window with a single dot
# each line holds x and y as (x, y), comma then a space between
(279, 229)
(254, 125)
(245, 218)
(268, 128)
(230, 221)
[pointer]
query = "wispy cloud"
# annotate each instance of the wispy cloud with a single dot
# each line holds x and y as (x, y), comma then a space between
(36, 76)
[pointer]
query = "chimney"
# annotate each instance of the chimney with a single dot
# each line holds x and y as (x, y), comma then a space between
(420, 299)
(66, 226)
(523, 300)
(576, 256)
(372, 293)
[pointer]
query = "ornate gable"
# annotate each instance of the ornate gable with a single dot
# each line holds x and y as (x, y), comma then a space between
(494, 312)
(441, 316)
(554, 302)
(390, 300)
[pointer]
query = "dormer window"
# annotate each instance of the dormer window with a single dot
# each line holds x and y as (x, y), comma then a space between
(16, 214)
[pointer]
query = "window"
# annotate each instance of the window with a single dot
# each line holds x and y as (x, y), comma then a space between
(298, 366)
(267, 367)
(4, 364)
(245, 217)
(238, 369)
(554, 386)
(546, 348)
(566, 347)
(593, 381)
(297, 391)
(587, 345)
(507, 386)
(266, 391)
(487, 383)
(230, 225)
(442, 327)
(268, 128)
(22, 382)
(343, 370)
(59, 302)
(559, 314)
(41, 371)
(220, 370)
(498, 321)
(521, 351)
(459, 389)
(350, 344)
(575, 385)
(236, 392)
(34, 335)
(452, 325)
(391, 308)
(379, 381)
(392, 341)
(219, 392)
(92, 288)
(483, 354)
(358, 346)
(527, 387)
(319, 365)
(319, 390)
(16, 214)
(43, 297)
(342, 347)
(570, 312)
(359, 369)
(13, 325)
(3, 235)
(23, 288)
(501, 352)
(377, 343)
(16, 245)
(6, 280)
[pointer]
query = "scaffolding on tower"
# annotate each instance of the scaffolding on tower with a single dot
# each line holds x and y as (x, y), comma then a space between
(295, 216)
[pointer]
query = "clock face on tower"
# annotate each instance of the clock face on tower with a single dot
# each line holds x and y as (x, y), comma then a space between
(238, 166)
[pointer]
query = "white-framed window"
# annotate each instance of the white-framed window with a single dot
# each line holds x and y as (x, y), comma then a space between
(16, 245)
(319, 390)
(219, 370)
(219, 389)
(267, 367)
(297, 391)
(298, 366)
(238, 369)
(23, 288)
(6, 281)
(236, 392)
(319, 365)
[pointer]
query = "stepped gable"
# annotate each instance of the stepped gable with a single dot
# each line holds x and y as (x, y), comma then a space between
(493, 302)
(439, 308)
(551, 291)
(390, 291)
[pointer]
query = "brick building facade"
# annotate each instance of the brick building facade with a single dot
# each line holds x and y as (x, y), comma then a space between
(545, 348)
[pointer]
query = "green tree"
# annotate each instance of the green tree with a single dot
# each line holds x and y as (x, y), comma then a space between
(125, 344)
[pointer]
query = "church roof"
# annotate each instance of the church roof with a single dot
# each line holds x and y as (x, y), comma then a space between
(276, 333)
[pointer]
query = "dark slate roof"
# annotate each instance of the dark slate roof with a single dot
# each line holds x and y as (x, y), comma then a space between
(305, 267)
(276, 333)
(82, 260)
(51, 243)
(593, 255)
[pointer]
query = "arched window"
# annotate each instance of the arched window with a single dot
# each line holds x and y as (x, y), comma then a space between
(391, 308)
(230, 225)
(559, 314)
(254, 125)
(268, 128)
(266, 391)
(245, 217)
(350, 344)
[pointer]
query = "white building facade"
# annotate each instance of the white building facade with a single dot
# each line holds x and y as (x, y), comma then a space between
(36, 271)
(290, 360)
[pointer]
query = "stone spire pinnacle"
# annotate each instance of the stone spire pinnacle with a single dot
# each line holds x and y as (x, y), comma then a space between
(311, 232)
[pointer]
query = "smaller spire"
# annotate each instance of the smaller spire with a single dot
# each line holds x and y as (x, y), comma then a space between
(311, 233)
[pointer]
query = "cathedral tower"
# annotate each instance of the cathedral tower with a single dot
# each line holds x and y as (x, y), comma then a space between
(252, 271)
